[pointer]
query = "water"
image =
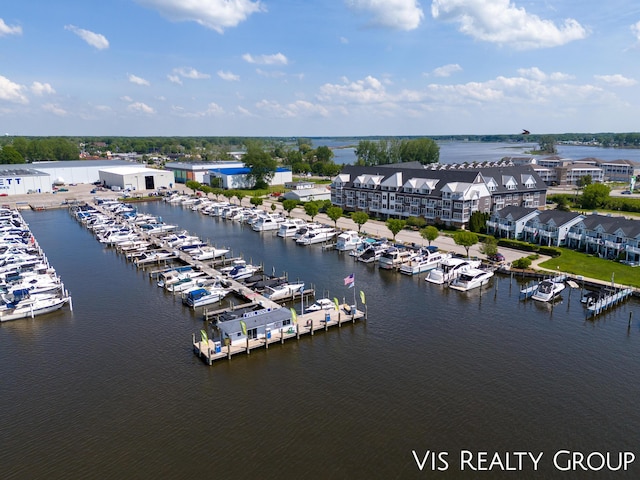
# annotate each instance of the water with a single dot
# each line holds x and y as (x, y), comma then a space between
(459, 152)
(113, 389)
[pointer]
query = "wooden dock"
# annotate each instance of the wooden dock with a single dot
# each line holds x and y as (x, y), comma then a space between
(307, 324)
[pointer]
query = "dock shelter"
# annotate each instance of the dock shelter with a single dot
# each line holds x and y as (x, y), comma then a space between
(238, 326)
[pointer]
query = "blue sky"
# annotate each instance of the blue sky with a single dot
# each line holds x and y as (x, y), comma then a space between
(320, 68)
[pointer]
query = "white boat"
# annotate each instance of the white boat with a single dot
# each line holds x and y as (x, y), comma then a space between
(284, 291)
(200, 297)
(471, 278)
(267, 222)
(547, 290)
(207, 253)
(348, 240)
(187, 284)
(321, 304)
(449, 269)
(166, 279)
(394, 257)
(425, 261)
(372, 252)
(288, 228)
(31, 306)
(316, 235)
(240, 272)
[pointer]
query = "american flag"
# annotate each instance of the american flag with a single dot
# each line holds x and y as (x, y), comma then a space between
(349, 280)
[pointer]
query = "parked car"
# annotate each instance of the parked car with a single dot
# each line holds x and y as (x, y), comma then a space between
(498, 257)
(626, 192)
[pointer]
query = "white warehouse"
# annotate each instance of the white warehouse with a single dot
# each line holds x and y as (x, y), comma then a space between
(136, 178)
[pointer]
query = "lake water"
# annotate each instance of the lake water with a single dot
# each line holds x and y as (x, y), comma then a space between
(459, 152)
(113, 389)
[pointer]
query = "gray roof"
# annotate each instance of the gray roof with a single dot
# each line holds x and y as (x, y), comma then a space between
(516, 212)
(558, 216)
(611, 224)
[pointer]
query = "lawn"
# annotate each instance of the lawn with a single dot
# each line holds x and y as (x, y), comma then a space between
(577, 263)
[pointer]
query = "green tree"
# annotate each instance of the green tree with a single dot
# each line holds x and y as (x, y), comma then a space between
(489, 246)
(429, 233)
(547, 144)
(521, 263)
(595, 195)
(273, 207)
(311, 209)
(193, 185)
(9, 154)
(465, 239)
(478, 221)
(262, 167)
(360, 218)
(256, 201)
(289, 204)
(334, 213)
(324, 154)
(395, 225)
(417, 222)
(240, 195)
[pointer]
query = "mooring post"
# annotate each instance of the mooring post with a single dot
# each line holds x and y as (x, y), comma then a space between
(630, 319)
(311, 328)
(248, 351)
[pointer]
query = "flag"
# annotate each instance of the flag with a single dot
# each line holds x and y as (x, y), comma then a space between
(243, 327)
(335, 300)
(294, 316)
(205, 338)
(350, 280)
(362, 297)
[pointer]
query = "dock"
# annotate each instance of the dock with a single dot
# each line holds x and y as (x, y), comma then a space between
(608, 301)
(211, 351)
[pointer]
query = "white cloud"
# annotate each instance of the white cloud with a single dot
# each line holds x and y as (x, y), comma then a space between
(275, 59)
(138, 80)
(447, 70)
(188, 72)
(501, 22)
(535, 73)
(139, 107)
(344, 40)
(270, 74)
(616, 80)
(8, 29)
(55, 109)
(362, 91)
(214, 14)
(126, 98)
(228, 76)
(396, 14)
(298, 108)
(174, 79)
(635, 29)
(40, 89)
(11, 91)
(96, 40)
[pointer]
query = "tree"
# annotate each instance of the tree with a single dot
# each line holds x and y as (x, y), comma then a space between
(521, 263)
(547, 144)
(262, 167)
(311, 209)
(256, 201)
(334, 213)
(273, 207)
(489, 246)
(478, 221)
(240, 195)
(395, 225)
(9, 154)
(360, 218)
(465, 239)
(193, 185)
(289, 205)
(594, 195)
(429, 233)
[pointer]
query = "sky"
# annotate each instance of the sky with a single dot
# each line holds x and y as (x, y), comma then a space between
(318, 68)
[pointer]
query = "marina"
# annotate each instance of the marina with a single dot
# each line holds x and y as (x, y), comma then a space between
(476, 368)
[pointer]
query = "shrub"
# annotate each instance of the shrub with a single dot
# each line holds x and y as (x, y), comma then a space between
(521, 263)
(550, 251)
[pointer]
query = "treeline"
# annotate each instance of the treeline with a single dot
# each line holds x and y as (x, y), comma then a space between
(396, 150)
(25, 150)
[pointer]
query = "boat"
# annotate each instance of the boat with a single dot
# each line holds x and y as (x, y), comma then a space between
(348, 240)
(208, 253)
(24, 305)
(240, 272)
(288, 228)
(321, 304)
(284, 291)
(316, 235)
(199, 297)
(471, 278)
(449, 269)
(425, 261)
(266, 223)
(394, 257)
(547, 290)
(372, 252)
(174, 275)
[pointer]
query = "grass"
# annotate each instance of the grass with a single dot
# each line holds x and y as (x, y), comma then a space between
(577, 263)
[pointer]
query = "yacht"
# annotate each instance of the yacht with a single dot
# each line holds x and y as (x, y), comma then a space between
(284, 291)
(266, 223)
(547, 290)
(316, 235)
(348, 240)
(288, 228)
(321, 304)
(372, 252)
(394, 257)
(471, 278)
(426, 260)
(449, 269)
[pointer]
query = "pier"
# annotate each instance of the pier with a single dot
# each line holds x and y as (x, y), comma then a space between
(211, 351)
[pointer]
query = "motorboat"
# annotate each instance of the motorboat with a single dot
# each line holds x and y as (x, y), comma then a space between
(316, 235)
(449, 269)
(25, 305)
(348, 240)
(200, 297)
(471, 278)
(168, 278)
(288, 228)
(321, 304)
(547, 290)
(394, 257)
(266, 223)
(284, 291)
(240, 272)
(425, 261)
(208, 253)
(372, 253)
